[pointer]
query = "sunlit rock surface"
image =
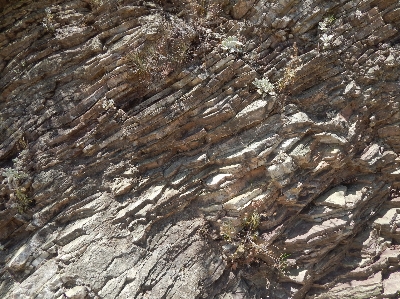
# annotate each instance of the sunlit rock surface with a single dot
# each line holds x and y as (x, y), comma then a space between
(130, 136)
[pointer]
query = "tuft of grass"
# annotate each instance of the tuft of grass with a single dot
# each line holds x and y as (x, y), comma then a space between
(252, 221)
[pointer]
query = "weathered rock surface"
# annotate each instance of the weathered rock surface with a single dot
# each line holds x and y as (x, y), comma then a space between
(130, 137)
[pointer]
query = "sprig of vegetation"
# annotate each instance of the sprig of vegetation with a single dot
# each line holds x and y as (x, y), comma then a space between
(48, 20)
(282, 265)
(23, 200)
(14, 176)
(264, 86)
(232, 44)
(290, 71)
(326, 23)
(325, 26)
(244, 245)
(252, 221)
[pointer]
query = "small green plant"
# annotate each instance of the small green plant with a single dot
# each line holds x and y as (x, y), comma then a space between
(228, 231)
(231, 44)
(264, 86)
(243, 245)
(252, 221)
(282, 264)
(14, 176)
(23, 200)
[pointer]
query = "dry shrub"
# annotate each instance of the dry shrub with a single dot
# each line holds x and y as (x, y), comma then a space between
(164, 53)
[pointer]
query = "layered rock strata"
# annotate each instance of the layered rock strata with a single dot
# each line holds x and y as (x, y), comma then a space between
(132, 135)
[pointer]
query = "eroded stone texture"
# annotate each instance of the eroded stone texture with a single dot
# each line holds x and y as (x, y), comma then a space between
(140, 137)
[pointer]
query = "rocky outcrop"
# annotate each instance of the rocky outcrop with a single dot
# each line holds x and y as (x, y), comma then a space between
(141, 158)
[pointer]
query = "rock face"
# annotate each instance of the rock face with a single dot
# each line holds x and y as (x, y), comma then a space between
(139, 159)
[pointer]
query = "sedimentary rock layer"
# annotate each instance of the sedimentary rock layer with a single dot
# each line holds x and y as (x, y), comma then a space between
(133, 136)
